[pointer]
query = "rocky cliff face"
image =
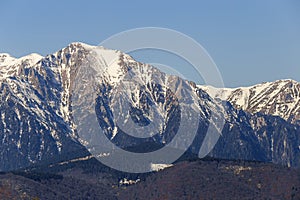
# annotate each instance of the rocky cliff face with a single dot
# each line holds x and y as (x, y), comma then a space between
(279, 98)
(37, 124)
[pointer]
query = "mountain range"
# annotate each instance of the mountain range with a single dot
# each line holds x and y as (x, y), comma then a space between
(37, 123)
(280, 98)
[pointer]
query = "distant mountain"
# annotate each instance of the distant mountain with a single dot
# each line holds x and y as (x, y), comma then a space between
(37, 117)
(279, 98)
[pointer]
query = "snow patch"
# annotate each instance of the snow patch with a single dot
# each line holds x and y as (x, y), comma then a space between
(126, 181)
(158, 167)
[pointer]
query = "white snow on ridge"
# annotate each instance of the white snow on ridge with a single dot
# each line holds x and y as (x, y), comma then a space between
(271, 97)
(7, 60)
(32, 58)
(226, 93)
(110, 61)
(279, 98)
(84, 45)
(9, 66)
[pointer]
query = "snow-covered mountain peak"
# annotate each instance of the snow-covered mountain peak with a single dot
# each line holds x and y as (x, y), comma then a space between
(81, 44)
(10, 66)
(33, 58)
(87, 47)
(278, 98)
(102, 54)
(37, 118)
(5, 58)
(111, 63)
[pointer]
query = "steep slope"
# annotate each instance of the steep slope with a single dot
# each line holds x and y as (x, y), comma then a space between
(37, 115)
(279, 98)
(33, 126)
(10, 66)
(258, 137)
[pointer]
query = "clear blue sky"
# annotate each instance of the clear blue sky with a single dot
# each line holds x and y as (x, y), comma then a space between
(250, 41)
